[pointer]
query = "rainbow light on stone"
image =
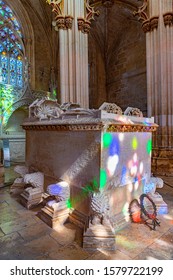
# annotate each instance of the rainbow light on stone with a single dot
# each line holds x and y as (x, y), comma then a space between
(107, 139)
(134, 143)
(149, 146)
(103, 178)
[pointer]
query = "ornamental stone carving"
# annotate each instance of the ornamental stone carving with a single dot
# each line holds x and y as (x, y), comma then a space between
(111, 108)
(99, 208)
(154, 22)
(133, 112)
(44, 109)
(148, 24)
(84, 24)
(168, 18)
(68, 22)
(60, 22)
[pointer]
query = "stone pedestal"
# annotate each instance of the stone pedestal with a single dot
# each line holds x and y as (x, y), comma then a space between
(54, 214)
(99, 237)
(31, 197)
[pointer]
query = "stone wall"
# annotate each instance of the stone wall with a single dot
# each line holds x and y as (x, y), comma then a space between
(126, 75)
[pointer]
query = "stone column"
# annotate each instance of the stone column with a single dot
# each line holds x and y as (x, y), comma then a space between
(157, 22)
(72, 21)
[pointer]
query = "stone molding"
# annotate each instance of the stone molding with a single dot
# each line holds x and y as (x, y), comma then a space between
(131, 128)
(99, 127)
(63, 127)
(168, 18)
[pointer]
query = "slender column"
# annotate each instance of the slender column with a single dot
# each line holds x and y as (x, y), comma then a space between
(157, 23)
(73, 39)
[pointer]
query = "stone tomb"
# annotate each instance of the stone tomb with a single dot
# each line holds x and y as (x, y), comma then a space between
(105, 159)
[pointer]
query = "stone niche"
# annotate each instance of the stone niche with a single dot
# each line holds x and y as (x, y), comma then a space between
(106, 160)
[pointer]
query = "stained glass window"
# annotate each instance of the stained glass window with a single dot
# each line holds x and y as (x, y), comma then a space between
(11, 48)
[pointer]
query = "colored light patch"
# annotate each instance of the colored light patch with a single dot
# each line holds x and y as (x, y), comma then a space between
(121, 137)
(114, 148)
(123, 175)
(112, 164)
(54, 189)
(68, 203)
(103, 178)
(134, 143)
(141, 168)
(107, 139)
(149, 146)
(125, 211)
(135, 158)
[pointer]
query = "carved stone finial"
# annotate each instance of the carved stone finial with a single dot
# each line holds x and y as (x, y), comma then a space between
(168, 18)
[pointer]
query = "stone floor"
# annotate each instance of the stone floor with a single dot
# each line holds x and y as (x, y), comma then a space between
(24, 236)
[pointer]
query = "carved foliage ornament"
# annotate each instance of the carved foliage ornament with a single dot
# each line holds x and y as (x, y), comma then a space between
(168, 18)
(148, 24)
(61, 21)
(84, 24)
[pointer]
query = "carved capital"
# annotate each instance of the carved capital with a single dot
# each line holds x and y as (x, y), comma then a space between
(84, 25)
(60, 22)
(68, 21)
(168, 18)
(80, 22)
(154, 22)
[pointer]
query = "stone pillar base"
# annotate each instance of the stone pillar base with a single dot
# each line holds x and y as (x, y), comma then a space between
(79, 219)
(162, 162)
(31, 197)
(99, 237)
(55, 214)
